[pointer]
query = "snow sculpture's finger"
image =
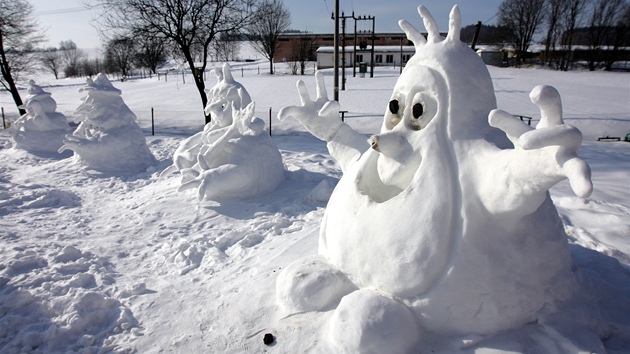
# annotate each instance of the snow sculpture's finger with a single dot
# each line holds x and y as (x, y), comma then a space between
(511, 125)
(321, 86)
(547, 98)
(331, 108)
(564, 135)
(579, 174)
(305, 98)
(189, 185)
(290, 111)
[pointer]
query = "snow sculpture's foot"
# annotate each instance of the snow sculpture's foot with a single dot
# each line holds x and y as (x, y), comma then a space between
(311, 284)
(369, 322)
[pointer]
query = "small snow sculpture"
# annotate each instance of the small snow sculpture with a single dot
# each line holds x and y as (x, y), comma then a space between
(41, 129)
(108, 139)
(440, 227)
(230, 158)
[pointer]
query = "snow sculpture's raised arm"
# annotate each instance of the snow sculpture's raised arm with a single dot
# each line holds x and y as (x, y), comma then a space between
(541, 157)
(321, 118)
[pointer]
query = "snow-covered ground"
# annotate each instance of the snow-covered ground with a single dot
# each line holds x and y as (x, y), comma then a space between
(97, 262)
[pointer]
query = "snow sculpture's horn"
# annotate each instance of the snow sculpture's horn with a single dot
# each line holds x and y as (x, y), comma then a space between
(430, 24)
(227, 73)
(454, 28)
(454, 25)
(412, 34)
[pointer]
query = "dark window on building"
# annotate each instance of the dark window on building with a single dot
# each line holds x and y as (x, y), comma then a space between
(359, 58)
(389, 58)
(378, 58)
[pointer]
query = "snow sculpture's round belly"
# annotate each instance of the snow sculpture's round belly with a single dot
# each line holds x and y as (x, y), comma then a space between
(392, 240)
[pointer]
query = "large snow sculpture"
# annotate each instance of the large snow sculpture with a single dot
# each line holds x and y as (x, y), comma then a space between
(439, 226)
(41, 129)
(231, 158)
(108, 139)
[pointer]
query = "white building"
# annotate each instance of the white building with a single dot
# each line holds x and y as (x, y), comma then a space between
(383, 56)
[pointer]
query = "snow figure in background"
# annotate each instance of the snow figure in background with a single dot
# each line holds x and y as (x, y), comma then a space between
(231, 158)
(108, 139)
(438, 226)
(41, 129)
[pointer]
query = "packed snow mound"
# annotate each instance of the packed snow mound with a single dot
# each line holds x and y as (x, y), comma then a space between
(58, 300)
(446, 214)
(41, 129)
(231, 158)
(108, 139)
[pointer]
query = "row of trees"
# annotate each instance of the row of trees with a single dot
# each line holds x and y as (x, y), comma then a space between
(141, 33)
(603, 26)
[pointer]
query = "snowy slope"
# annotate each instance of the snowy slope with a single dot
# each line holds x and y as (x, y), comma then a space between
(96, 261)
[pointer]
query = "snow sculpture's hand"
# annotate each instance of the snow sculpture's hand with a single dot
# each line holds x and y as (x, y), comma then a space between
(548, 154)
(321, 116)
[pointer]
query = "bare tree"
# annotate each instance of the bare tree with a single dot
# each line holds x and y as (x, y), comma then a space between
(226, 47)
(120, 53)
(151, 52)
(523, 19)
(621, 37)
(272, 19)
(72, 57)
(301, 50)
(604, 16)
(554, 12)
(51, 60)
(570, 20)
(188, 25)
(18, 35)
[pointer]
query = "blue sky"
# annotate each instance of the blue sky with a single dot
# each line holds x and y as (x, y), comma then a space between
(68, 19)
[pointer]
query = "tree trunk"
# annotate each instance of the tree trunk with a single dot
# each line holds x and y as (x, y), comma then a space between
(271, 66)
(201, 86)
(6, 74)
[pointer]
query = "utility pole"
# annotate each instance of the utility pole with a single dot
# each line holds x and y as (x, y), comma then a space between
(343, 49)
(373, 29)
(365, 18)
(336, 53)
(474, 40)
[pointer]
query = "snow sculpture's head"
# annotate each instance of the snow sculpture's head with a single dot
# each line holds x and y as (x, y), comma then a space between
(223, 95)
(445, 86)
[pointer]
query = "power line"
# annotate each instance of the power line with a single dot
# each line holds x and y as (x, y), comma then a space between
(65, 11)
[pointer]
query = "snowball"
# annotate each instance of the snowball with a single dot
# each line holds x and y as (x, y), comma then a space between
(370, 323)
(311, 284)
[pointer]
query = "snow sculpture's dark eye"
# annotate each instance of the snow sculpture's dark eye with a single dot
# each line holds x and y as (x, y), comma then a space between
(417, 110)
(393, 106)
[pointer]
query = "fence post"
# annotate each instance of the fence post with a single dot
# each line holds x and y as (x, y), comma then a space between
(152, 123)
(241, 72)
(269, 121)
(4, 125)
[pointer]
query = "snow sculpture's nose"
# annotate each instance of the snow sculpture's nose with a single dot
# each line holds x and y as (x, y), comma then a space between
(374, 142)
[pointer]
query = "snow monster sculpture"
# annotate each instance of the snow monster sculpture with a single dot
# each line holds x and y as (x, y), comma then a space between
(230, 158)
(108, 139)
(440, 227)
(41, 129)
